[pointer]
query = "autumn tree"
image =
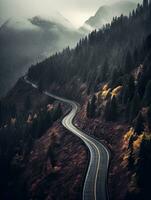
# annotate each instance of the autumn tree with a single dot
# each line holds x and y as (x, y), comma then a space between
(147, 95)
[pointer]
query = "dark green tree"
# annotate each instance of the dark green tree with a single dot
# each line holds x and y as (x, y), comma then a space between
(27, 104)
(114, 109)
(91, 107)
(149, 118)
(88, 109)
(134, 106)
(1, 113)
(129, 90)
(57, 113)
(107, 111)
(41, 86)
(111, 110)
(147, 95)
(145, 4)
(114, 77)
(128, 63)
(139, 124)
(143, 171)
(104, 71)
(13, 110)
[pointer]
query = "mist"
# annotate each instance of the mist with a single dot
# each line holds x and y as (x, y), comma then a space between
(76, 11)
(25, 40)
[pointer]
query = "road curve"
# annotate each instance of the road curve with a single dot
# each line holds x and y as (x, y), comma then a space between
(95, 185)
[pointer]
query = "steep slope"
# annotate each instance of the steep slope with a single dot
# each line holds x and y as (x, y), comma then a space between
(109, 72)
(40, 159)
(96, 53)
(26, 41)
(106, 13)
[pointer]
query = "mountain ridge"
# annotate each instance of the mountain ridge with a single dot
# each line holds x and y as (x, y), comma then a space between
(106, 13)
(27, 41)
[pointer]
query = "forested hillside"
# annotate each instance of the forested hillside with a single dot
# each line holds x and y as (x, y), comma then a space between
(25, 41)
(109, 73)
(106, 13)
(117, 48)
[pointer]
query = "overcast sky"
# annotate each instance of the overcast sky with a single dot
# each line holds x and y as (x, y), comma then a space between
(76, 11)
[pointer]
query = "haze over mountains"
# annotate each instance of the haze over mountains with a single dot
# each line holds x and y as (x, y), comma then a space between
(26, 41)
(106, 13)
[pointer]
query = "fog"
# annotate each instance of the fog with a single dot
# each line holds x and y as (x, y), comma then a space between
(24, 42)
(76, 11)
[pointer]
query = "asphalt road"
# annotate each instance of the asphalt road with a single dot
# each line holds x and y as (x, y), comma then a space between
(95, 185)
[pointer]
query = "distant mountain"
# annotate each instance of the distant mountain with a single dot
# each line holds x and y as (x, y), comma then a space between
(106, 48)
(26, 41)
(106, 13)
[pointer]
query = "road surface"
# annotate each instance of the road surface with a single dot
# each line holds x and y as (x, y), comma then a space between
(95, 185)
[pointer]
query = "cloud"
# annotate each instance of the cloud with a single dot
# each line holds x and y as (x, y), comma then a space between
(76, 11)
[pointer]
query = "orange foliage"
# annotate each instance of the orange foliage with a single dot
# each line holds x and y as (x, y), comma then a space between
(116, 91)
(105, 87)
(128, 134)
(137, 142)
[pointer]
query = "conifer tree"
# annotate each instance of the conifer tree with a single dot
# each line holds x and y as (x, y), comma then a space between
(139, 124)
(0, 112)
(27, 104)
(13, 110)
(143, 171)
(88, 109)
(147, 95)
(111, 110)
(134, 106)
(149, 118)
(145, 4)
(131, 87)
(57, 112)
(114, 76)
(91, 107)
(114, 109)
(128, 63)
(129, 90)
(41, 86)
(104, 71)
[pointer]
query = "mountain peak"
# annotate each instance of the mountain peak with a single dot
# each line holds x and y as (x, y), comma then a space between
(55, 18)
(106, 13)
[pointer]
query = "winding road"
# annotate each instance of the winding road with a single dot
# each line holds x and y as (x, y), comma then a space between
(95, 185)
